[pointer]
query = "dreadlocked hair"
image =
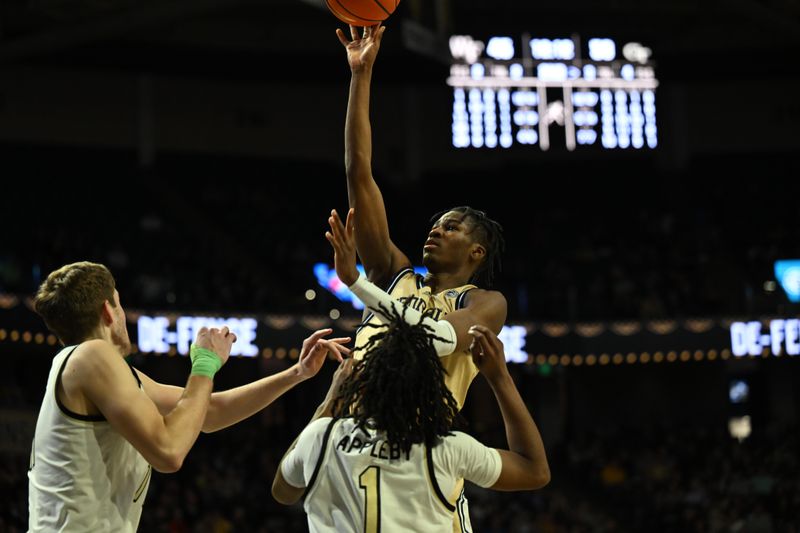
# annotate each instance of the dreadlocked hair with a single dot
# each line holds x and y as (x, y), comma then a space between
(398, 386)
(489, 234)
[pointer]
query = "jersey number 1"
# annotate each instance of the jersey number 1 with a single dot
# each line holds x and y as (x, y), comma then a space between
(370, 481)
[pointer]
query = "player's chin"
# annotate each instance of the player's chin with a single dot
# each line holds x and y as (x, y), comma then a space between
(432, 262)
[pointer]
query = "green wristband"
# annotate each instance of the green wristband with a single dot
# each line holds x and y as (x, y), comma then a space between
(204, 362)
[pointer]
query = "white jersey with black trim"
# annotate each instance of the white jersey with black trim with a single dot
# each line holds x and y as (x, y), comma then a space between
(409, 288)
(83, 475)
(356, 481)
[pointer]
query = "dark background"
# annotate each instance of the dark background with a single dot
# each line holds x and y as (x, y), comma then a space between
(196, 149)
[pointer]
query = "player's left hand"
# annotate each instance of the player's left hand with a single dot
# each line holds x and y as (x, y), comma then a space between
(487, 353)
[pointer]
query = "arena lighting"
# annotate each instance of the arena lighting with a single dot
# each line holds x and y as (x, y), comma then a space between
(156, 336)
(740, 427)
(787, 272)
(738, 391)
(513, 339)
(781, 337)
(161, 334)
(656, 341)
(328, 279)
(551, 93)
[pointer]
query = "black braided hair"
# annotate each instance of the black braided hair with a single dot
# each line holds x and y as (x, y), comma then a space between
(398, 386)
(489, 234)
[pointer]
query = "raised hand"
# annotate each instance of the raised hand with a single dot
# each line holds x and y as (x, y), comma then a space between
(342, 373)
(362, 50)
(487, 353)
(316, 349)
(342, 238)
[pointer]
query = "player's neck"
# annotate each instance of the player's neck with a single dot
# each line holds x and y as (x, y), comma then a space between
(441, 281)
(99, 333)
(103, 334)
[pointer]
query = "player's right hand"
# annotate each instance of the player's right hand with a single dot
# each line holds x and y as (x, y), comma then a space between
(316, 349)
(362, 50)
(342, 373)
(342, 238)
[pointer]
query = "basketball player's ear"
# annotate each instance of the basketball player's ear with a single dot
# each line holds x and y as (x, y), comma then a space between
(478, 252)
(107, 313)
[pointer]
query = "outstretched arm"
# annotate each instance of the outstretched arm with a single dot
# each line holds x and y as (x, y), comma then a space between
(381, 258)
(524, 464)
(231, 406)
(99, 374)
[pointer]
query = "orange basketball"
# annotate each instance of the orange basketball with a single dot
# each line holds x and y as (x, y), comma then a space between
(362, 12)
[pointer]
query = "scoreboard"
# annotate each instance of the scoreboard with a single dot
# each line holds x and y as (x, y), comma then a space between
(552, 92)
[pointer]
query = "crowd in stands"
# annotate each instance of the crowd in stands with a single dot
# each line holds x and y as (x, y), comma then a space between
(243, 236)
(693, 480)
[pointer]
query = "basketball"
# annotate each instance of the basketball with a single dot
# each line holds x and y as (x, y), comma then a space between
(362, 12)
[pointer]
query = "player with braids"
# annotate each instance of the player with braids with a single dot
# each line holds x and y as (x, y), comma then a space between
(381, 453)
(462, 244)
(399, 353)
(489, 234)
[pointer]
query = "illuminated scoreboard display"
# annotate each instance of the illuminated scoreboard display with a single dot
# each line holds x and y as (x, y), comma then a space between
(552, 92)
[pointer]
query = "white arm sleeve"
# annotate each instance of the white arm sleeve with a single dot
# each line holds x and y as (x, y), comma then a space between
(374, 297)
(474, 461)
(299, 464)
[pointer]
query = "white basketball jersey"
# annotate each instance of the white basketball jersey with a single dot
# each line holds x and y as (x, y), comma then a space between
(83, 475)
(358, 482)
